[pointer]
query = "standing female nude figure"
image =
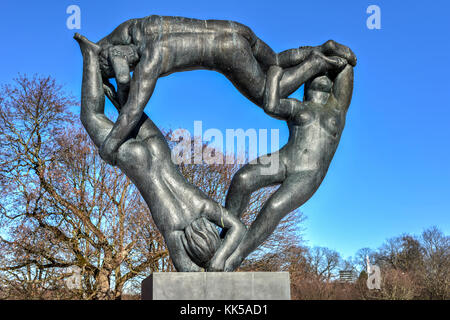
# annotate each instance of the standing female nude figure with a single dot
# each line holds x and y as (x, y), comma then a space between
(315, 128)
(157, 46)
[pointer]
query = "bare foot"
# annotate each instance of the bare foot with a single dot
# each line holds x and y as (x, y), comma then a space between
(85, 44)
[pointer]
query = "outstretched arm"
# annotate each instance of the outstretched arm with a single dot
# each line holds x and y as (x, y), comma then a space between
(141, 89)
(293, 57)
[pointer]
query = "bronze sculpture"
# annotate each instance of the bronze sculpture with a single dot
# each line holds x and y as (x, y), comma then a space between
(156, 46)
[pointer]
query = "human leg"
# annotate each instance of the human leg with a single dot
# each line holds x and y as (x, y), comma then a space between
(248, 179)
(92, 95)
(315, 64)
(235, 59)
(293, 193)
(293, 57)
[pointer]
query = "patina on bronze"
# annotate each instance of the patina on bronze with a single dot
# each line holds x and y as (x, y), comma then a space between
(157, 46)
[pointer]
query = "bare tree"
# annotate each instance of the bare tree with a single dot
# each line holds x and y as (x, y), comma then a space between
(436, 262)
(61, 205)
(214, 179)
(414, 267)
(323, 262)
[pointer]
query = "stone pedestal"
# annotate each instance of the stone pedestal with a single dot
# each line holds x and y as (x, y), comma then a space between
(216, 286)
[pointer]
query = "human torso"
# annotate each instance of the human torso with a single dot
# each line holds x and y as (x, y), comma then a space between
(173, 202)
(184, 43)
(314, 134)
(154, 26)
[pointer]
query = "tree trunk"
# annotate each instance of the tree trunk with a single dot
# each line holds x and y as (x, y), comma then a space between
(103, 288)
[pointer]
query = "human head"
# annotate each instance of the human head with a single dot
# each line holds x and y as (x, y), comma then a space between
(318, 89)
(201, 241)
(127, 52)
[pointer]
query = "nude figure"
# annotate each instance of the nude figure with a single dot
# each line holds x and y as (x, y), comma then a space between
(183, 214)
(315, 128)
(157, 46)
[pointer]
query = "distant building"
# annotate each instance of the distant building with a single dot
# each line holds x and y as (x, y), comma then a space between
(347, 276)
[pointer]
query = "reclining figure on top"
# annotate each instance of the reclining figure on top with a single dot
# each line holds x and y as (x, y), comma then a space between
(157, 46)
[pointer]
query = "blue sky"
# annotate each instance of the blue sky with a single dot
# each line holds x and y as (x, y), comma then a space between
(391, 172)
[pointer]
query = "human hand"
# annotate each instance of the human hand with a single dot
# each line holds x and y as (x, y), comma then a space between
(216, 264)
(233, 262)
